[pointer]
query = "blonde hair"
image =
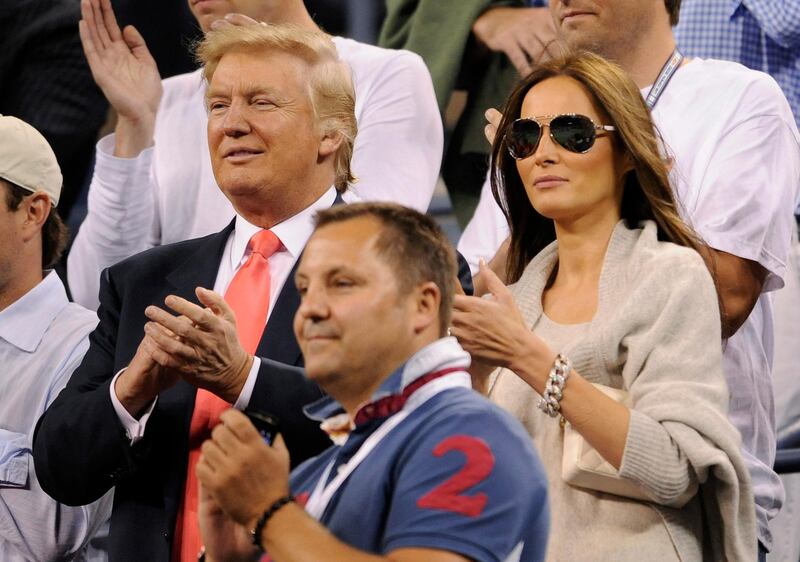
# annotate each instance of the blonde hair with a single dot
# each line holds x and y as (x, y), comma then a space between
(331, 87)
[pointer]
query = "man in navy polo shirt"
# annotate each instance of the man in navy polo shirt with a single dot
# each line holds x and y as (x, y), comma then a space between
(427, 469)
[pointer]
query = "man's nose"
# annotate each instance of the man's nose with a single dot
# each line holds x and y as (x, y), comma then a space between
(313, 305)
(236, 123)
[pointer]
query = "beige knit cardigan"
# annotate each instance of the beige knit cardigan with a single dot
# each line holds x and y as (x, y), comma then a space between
(656, 333)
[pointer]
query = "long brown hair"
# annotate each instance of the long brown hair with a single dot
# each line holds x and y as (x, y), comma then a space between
(646, 192)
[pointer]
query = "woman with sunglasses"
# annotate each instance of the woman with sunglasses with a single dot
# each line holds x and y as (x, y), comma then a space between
(610, 296)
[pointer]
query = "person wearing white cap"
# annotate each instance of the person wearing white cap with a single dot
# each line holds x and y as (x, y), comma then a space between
(43, 338)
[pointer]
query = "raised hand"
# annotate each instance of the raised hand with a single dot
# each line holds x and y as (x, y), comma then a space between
(526, 35)
(126, 73)
(201, 344)
(494, 333)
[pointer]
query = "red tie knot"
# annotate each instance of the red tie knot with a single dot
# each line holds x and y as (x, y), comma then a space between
(265, 243)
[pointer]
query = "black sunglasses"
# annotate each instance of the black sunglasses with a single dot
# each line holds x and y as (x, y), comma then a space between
(574, 132)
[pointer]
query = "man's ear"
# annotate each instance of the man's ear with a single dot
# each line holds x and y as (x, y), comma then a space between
(36, 209)
(330, 143)
(428, 298)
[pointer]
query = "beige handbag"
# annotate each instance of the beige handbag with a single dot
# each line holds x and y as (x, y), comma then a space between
(582, 465)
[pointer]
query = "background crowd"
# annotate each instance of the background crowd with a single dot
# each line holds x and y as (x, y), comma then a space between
(245, 197)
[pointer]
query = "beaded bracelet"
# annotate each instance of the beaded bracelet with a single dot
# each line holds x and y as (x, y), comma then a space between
(255, 533)
(549, 403)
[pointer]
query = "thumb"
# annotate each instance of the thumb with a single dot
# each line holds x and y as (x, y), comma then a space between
(216, 303)
(494, 284)
(135, 42)
(279, 443)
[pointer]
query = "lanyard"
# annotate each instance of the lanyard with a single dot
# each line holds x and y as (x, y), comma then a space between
(322, 494)
(666, 74)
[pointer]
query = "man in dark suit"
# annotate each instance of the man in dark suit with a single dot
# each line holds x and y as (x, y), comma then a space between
(281, 128)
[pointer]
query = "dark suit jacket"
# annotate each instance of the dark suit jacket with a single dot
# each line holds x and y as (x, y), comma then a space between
(81, 449)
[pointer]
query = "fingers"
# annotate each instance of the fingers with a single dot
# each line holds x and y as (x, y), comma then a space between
(490, 131)
(164, 349)
(135, 42)
(494, 283)
(202, 317)
(101, 33)
(459, 289)
(464, 303)
(214, 451)
(279, 444)
(533, 49)
(179, 325)
(518, 58)
(110, 20)
(87, 28)
(216, 303)
(89, 48)
(493, 117)
(240, 426)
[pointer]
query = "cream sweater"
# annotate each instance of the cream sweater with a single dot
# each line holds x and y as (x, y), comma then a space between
(656, 333)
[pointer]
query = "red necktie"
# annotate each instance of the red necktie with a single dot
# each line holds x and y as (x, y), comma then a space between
(248, 296)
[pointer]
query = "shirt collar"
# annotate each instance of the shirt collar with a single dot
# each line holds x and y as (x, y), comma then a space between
(293, 232)
(444, 353)
(24, 323)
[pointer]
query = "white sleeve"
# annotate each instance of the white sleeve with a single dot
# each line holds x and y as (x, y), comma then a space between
(119, 222)
(133, 428)
(749, 188)
(398, 149)
(33, 526)
(247, 390)
(486, 231)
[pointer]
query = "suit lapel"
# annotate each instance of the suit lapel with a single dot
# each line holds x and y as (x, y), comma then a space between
(201, 265)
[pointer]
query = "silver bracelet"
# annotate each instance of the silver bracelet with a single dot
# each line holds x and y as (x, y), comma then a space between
(549, 403)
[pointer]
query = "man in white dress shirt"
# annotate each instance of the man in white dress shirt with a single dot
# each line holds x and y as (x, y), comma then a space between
(154, 175)
(43, 338)
(736, 172)
(280, 131)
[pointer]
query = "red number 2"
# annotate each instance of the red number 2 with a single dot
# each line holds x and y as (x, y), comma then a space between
(448, 495)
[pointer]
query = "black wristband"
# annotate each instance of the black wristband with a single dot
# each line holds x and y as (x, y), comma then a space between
(255, 533)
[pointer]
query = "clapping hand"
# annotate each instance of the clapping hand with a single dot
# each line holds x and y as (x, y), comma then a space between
(201, 344)
(493, 332)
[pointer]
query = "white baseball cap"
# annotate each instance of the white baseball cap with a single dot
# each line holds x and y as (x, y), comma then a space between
(27, 160)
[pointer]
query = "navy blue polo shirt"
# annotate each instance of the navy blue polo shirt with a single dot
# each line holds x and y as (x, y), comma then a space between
(458, 474)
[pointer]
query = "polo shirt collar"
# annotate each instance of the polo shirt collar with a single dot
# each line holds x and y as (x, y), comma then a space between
(24, 323)
(445, 353)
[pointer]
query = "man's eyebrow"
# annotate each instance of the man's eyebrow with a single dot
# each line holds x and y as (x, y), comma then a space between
(247, 91)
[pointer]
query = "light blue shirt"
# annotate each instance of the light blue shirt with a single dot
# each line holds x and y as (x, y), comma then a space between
(43, 338)
(760, 34)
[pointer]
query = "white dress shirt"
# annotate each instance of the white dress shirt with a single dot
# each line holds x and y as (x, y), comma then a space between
(43, 338)
(293, 233)
(168, 192)
(736, 173)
